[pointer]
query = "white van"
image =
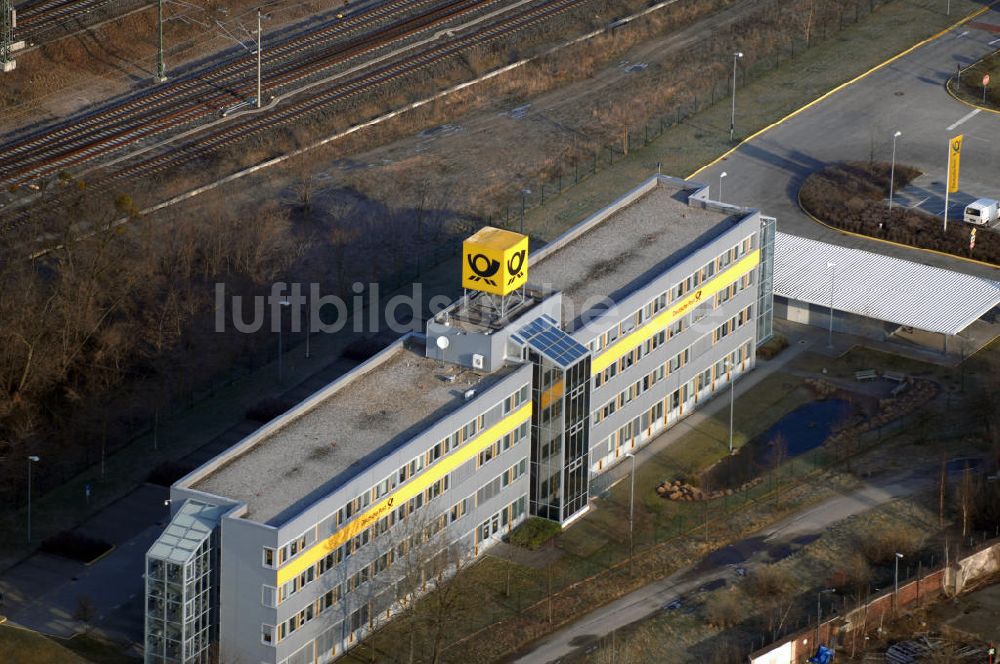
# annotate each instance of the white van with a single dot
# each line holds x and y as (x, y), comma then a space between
(982, 212)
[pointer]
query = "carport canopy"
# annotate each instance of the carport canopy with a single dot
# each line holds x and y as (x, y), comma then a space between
(881, 287)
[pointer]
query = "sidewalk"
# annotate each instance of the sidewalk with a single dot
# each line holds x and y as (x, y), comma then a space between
(785, 537)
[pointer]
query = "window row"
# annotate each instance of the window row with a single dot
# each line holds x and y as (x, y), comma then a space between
(640, 386)
(276, 558)
(676, 292)
(351, 547)
(733, 324)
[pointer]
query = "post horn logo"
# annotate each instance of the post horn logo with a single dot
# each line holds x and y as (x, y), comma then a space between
(697, 295)
(515, 266)
(483, 268)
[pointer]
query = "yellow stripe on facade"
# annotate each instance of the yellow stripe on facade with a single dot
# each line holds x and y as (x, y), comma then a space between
(469, 450)
(615, 351)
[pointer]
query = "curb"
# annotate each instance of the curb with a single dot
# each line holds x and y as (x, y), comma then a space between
(727, 153)
(951, 93)
(798, 201)
(102, 556)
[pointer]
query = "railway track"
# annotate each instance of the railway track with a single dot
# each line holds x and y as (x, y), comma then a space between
(247, 126)
(202, 95)
(37, 22)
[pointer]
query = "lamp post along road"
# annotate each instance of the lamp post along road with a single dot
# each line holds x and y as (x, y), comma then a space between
(31, 459)
(892, 171)
(281, 325)
(631, 512)
(895, 583)
(732, 122)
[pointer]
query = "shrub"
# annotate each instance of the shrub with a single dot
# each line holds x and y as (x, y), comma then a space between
(534, 532)
(724, 609)
(851, 196)
(266, 410)
(769, 582)
(881, 545)
(75, 546)
(772, 347)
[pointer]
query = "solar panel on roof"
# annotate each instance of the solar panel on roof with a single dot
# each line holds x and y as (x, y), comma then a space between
(543, 335)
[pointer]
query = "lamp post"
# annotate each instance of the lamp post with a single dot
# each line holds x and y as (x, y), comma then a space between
(892, 171)
(895, 583)
(819, 610)
(31, 459)
(721, 175)
(524, 202)
(281, 324)
(731, 369)
(732, 123)
(161, 67)
(631, 511)
(831, 267)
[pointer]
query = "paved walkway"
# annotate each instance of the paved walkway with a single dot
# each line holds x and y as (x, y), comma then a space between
(774, 543)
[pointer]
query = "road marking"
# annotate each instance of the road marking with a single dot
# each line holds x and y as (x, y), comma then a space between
(920, 202)
(968, 116)
(959, 36)
(993, 42)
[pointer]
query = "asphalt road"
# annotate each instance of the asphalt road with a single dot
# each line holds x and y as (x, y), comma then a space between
(907, 95)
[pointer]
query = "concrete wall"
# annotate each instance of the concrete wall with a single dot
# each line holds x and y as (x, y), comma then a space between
(850, 629)
(843, 322)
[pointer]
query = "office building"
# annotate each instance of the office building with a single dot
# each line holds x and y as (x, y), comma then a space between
(294, 544)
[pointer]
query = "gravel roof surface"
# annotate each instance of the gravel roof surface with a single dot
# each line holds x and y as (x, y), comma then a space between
(645, 237)
(312, 454)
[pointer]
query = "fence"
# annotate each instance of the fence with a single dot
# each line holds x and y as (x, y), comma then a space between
(848, 630)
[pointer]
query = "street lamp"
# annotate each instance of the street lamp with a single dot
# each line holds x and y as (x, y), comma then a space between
(731, 370)
(831, 266)
(895, 592)
(281, 324)
(892, 171)
(721, 175)
(732, 123)
(819, 610)
(631, 511)
(31, 459)
(524, 201)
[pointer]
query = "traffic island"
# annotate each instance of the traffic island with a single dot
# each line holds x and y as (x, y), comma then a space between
(851, 197)
(978, 84)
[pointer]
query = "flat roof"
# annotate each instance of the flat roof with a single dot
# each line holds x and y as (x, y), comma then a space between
(371, 412)
(879, 286)
(640, 239)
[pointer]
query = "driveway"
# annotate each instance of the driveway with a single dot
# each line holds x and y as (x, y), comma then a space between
(858, 121)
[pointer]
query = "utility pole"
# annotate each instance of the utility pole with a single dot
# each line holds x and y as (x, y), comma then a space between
(258, 57)
(161, 68)
(8, 21)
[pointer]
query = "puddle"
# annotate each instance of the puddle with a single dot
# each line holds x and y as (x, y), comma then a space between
(518, 113)
(801, 430)
(636, 67)
(441, 130)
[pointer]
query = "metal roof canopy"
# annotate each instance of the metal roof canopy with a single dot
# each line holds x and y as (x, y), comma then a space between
(879, 286)
(191, 525)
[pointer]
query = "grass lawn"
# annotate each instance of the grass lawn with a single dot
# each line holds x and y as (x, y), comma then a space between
(971, 87)
(21, 646)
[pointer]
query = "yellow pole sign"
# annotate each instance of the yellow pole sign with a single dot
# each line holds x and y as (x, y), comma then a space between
(954, 160)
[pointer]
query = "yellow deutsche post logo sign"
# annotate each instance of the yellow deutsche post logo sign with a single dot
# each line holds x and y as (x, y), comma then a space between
(954, 161)
(495, 261)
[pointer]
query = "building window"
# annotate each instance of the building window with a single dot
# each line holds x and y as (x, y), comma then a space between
(267, 634)
(268, 557)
